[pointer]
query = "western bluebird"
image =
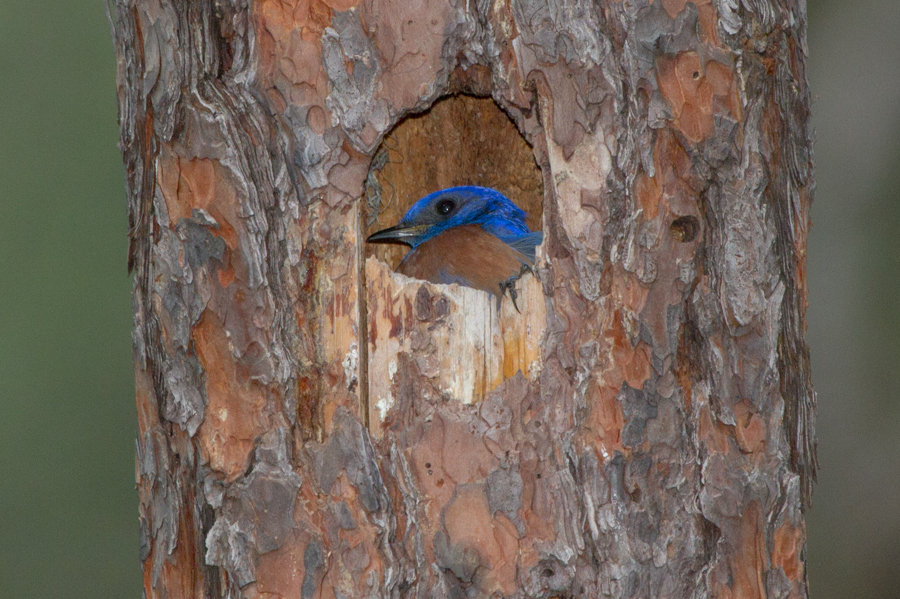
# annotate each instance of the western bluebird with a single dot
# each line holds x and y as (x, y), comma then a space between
(472, 236)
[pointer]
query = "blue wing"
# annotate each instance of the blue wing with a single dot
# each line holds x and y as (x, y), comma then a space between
(526, 244)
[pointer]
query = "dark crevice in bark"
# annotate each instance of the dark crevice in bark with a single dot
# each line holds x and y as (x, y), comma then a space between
(362, 306)
(710, 535)
(223, 35)
(212, 579)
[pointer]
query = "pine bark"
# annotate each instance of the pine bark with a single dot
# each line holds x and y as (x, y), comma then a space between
(314, 425)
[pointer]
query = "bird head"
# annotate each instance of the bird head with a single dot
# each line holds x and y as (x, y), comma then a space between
(453, 207)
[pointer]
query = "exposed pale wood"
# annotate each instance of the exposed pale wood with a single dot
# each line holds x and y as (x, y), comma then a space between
(455, 335)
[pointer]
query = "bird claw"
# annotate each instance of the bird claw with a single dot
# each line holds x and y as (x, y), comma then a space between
(509, 285)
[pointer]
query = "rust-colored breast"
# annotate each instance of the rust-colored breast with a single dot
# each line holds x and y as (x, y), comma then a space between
(465, 255)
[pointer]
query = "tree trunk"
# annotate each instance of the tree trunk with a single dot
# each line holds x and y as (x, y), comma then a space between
(314, 425)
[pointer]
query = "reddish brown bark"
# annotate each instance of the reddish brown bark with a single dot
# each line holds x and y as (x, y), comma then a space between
(313, 425)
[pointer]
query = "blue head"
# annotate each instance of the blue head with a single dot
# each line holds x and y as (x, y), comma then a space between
(456, 206)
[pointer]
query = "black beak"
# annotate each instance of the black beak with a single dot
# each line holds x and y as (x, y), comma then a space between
(399, 234)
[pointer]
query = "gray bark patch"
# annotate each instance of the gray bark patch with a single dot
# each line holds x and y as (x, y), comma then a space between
(257, 511)
(504, 491)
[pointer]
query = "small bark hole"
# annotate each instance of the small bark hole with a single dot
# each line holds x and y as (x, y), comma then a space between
(685, 228)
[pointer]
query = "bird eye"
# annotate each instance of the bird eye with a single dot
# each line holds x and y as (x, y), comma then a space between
(445, 207)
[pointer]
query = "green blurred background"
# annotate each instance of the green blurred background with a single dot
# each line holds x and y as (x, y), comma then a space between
(68, 508)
